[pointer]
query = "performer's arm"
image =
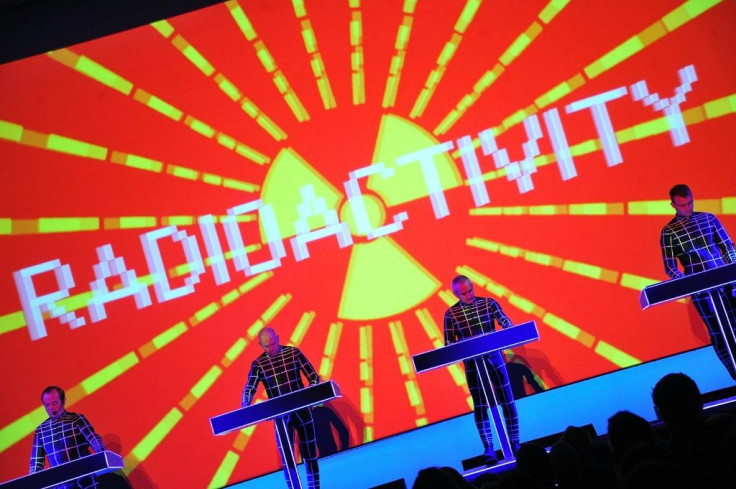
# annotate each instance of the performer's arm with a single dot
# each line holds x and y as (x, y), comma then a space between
(38, 454)
(450, 330)
(308, 369)
(94, 440)
(249, 391)
(669, 255)
(724, 242)
(499, 316)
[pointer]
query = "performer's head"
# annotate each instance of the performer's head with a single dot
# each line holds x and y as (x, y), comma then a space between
(269, 341)
(462, 287)
(53, 399)
(681, 199)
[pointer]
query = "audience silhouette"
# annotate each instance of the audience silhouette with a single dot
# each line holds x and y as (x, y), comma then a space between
(439, 478)
(565, 466)
(625, 431)
(688, 452)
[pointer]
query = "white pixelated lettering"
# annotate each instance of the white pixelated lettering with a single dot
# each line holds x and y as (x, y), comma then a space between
(670, 106)
(597, 105)
(35, 305)
(559, 144)
(111, 266)
(214, 250)
(161, 284)
(472, 171)
(519, 171)
(312, 206)
(355, 199)
(270, 227)
(425, 157)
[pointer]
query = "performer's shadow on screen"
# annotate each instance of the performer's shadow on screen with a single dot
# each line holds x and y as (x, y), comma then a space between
(519, 370)
(333, 435)
(117, 479)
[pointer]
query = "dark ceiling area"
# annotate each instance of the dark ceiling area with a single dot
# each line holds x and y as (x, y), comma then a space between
(29, 27)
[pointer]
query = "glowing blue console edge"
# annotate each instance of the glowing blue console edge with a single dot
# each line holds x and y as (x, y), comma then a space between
(97, 464)
(273, 408)
(475, 346)
(691, 284)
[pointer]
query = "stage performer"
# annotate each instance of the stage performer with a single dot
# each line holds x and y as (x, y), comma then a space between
(63, 437)
(472, 316)
(279, 368)
(698, 241)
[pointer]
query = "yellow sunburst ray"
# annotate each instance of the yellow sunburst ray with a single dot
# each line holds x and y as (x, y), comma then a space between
(443, 60)
(75, 224)
(267, 61)
(227, 87)
(403, 356)
(594, 272)
(488, 78)
(708, 111)
(330, 351)
(106, 77)
(403, 35)
(599, 347)
(16, 320)
(10, 131)
(23, 426)
(357, 67)
(315, 57)
(723, 205)
(366, 381)
(671, 21)
(166, 425)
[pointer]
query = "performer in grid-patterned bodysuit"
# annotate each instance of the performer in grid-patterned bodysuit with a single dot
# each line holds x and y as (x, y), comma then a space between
(472, 316)
(698, 241)
(63, 437)
(279, 368)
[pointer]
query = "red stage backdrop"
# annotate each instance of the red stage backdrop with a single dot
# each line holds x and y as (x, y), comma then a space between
(326, 168)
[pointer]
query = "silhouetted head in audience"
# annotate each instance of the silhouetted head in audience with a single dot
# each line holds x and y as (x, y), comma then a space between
(642, 453)
(439, 478)
(721, 423)
(486, 479)
(721, 430)
(677, 401)
(658, 474)
(519, 480)
(533, 459)
(455, 476)
(579, 439)
(565, 465)
(626, 430)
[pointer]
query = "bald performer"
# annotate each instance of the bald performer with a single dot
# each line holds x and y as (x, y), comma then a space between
(279, 368)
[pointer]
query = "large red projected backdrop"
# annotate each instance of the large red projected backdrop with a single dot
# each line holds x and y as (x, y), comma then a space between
(327, 168)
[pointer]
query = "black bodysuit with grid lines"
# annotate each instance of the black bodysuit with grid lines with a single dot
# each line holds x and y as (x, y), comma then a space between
(62, 440)
(700, 243)
(282, 374)
(463, 321)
